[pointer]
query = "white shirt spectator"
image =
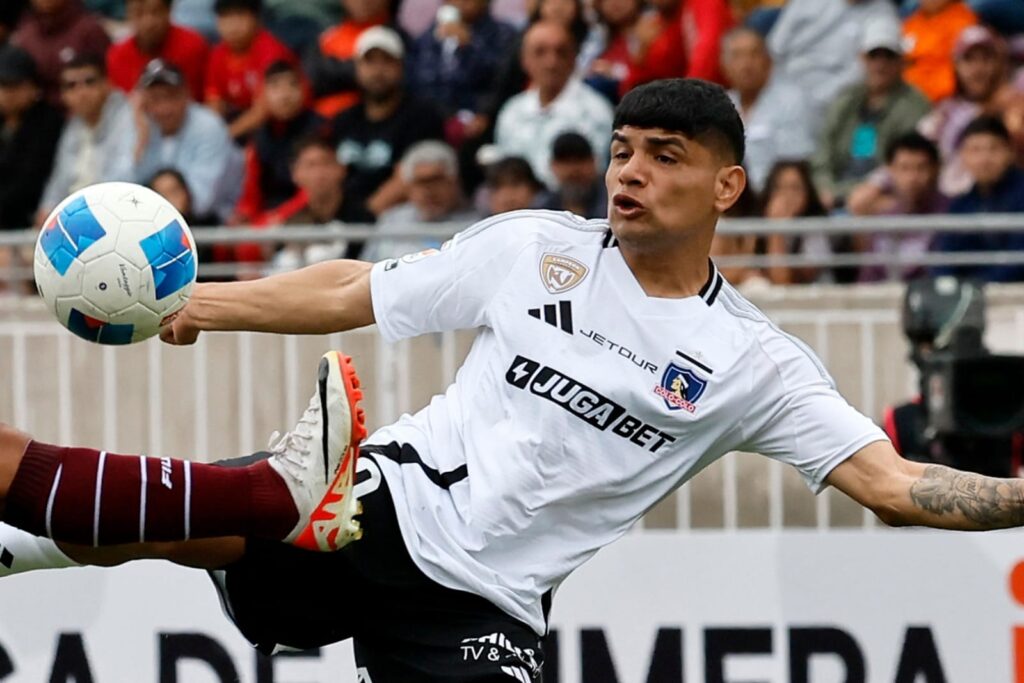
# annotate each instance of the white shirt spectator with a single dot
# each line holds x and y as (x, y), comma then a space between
(526, 129)
(204, 154)
(778, 126)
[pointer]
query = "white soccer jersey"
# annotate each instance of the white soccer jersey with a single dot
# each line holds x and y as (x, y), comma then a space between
(583, 402)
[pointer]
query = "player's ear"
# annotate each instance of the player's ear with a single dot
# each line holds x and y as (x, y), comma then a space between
(729, 185)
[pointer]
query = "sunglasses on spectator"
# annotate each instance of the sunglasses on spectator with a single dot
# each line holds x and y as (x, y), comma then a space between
(88, 81)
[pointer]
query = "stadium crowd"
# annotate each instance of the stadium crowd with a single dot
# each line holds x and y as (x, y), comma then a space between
(400, 112)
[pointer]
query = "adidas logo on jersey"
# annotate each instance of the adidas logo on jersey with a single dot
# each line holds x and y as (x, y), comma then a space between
(557, 316)
(6, 557)
(585, 403)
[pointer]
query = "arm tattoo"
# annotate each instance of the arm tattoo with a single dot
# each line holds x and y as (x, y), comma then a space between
(987, 502)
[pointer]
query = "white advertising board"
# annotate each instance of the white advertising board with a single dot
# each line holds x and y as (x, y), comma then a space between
(745, 607)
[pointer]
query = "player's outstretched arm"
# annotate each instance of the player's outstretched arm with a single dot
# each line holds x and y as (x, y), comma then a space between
(905, 493)
(327, 297)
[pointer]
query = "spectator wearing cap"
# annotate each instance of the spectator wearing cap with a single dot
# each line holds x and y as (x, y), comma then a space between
(374, 134)
(155, 37)
(268, 173)
(556, 102)
(180, 134)
(430, 170)
(998, 187)
(981, 65)
(512, 186)
(455, 62)
(579, 185)
(235, 73)
(94, 147)
(906, 186)
(775, 114)
(331, 67)
(31, 128)
(815, 45)
(866, 116)
(930, 34)
(55, 31)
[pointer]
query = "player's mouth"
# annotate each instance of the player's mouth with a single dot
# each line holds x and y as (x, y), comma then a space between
(627, 207)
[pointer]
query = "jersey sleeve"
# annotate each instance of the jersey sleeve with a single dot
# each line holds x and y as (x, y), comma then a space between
(801, 418)
(450, 289)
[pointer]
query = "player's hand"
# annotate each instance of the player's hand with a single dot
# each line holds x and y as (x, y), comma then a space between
(179, 330)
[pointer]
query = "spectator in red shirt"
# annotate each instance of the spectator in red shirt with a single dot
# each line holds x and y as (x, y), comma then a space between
(681, 39)
(235, 74)
(54, 31)
(268, 178)
(155, 37)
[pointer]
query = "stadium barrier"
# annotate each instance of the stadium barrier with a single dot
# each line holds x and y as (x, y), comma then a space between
(225, 395)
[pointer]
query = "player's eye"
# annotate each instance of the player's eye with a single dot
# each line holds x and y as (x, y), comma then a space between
(665, 159)
(621, 155)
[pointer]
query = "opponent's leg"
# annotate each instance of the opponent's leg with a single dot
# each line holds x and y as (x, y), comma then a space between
(302, 494)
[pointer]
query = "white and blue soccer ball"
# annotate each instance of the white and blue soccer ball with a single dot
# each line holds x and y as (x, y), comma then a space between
(113, 261)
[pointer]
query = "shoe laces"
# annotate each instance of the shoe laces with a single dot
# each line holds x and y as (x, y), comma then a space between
(295, 444)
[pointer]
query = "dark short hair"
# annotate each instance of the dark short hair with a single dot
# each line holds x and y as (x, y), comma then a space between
(86, 61)
(986, 124)
(700, 110)
(281, 66)
(225, 6)
(571, 146)
(912, 142)
(512, 171)
(308, 142)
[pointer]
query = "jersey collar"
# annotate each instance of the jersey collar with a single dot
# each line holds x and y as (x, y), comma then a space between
(708, 293)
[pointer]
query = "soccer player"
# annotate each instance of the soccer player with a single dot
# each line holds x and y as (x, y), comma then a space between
(613, 363)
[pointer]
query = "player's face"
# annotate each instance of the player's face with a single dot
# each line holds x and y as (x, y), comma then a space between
(663, 186)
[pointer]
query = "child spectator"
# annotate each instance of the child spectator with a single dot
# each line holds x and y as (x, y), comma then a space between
(930, 34)
(31, 129)
(155, 37)
(986, 152)
(512, 186)
(789, 192)
(268, 173)
(906, 186)
(53, 31)
(235, 73)
(94, 147)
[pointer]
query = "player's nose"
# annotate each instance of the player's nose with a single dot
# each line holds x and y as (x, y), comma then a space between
(633, 172)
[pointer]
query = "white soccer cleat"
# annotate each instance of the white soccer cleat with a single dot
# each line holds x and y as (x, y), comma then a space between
(317, 459)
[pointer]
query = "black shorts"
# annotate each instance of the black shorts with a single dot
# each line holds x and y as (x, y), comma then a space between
(405, 627)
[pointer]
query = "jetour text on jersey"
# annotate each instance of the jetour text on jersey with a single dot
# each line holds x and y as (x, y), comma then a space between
(583, 402)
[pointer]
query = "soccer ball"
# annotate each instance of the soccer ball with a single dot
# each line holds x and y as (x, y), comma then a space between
(114, 261)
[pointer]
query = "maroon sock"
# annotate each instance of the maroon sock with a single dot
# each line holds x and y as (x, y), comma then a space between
(79, 495)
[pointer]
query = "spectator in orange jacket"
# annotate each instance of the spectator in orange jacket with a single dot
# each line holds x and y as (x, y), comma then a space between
(930, 34)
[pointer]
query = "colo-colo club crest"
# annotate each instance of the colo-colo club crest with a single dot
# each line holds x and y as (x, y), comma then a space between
(681, 388)
(561, 273)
